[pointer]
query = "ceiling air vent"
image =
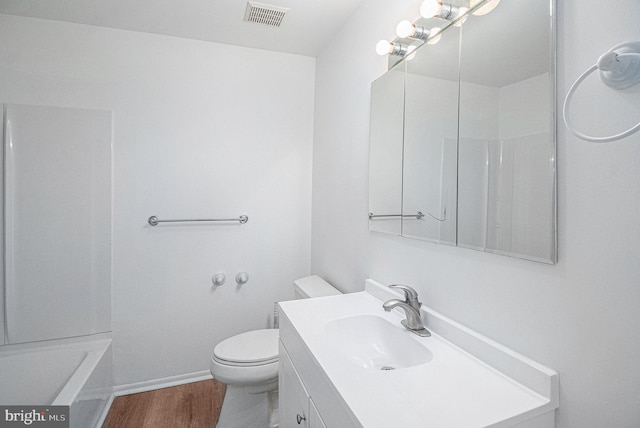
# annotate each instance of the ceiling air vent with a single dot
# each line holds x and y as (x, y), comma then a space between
(265, 14)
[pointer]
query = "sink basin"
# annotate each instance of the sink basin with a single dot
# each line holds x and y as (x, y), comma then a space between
(372, 342)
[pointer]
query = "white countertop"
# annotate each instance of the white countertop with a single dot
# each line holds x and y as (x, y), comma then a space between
(454, 389)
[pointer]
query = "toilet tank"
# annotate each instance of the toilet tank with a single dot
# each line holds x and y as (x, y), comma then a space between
(313, 286)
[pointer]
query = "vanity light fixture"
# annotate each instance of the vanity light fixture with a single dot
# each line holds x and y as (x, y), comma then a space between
(428, 9)
(438, 9)
(406, 29)
(384, 47)
(483, 10)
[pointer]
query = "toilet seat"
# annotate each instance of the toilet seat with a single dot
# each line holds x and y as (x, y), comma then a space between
(252, 348)
(248, 359)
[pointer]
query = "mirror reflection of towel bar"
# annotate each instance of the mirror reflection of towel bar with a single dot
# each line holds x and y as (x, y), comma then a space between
(154, 221)
(419, 215)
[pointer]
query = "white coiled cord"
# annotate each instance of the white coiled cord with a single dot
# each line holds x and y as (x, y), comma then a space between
(619, 69)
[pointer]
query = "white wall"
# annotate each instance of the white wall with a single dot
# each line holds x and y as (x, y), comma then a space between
(580, 316)
(200, 129)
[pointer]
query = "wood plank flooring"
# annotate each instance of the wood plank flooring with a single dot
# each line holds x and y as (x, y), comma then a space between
(193, 405)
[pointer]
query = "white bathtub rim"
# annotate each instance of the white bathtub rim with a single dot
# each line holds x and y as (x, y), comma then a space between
(80, 343)
(67, 396)
(105, 410)
(93, 346)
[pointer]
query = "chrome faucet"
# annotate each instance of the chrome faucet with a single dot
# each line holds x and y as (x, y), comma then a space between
(411, 307)
(410, 295)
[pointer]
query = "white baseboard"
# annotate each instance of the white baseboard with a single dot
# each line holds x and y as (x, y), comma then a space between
(150, 385)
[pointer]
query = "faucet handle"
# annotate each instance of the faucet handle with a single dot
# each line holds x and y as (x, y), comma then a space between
(410, 295)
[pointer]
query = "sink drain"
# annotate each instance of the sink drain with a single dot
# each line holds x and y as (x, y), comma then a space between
(387, 368)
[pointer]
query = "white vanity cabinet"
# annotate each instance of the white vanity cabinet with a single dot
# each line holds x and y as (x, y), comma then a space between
(296, 406)
(346, 363)
(315, 421)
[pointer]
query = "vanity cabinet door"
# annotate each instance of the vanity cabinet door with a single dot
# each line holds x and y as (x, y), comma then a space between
(293, 397)
(315, 421)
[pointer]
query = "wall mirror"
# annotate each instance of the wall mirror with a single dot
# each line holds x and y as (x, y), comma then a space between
(385, 151)
(478, 136)
(430, 141)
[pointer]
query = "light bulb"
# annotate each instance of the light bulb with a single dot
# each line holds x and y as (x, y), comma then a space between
(405, 29)
(386, 48)
(430, 8)
(411, 53)
(383, 47)
(434, 36)
(461, 12)
(483, 10)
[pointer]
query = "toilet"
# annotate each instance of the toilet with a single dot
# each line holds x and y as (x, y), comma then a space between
(248, 364)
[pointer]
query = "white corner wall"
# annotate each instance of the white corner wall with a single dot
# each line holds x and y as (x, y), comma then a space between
(200, 130)
(580, 316)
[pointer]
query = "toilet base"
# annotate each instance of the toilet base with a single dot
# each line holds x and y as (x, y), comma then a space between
(274, 413)
(242, 408)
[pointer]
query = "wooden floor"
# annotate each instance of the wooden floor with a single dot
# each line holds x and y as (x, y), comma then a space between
(193, 405)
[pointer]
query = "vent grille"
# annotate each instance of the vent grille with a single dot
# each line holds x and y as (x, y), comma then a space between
(265, 14)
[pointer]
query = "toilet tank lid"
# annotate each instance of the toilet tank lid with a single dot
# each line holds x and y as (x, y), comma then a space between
(314, 286)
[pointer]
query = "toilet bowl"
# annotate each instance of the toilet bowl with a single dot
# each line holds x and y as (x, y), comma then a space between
(248, 364)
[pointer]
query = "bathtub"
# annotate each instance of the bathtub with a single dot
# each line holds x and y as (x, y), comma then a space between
(69, 372)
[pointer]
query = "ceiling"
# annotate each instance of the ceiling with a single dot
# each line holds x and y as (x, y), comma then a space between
(306, 29)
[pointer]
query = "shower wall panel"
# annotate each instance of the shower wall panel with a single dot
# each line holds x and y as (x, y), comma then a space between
(57, 221)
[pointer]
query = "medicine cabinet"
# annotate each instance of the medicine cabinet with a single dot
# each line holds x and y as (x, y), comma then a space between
(462, 139)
